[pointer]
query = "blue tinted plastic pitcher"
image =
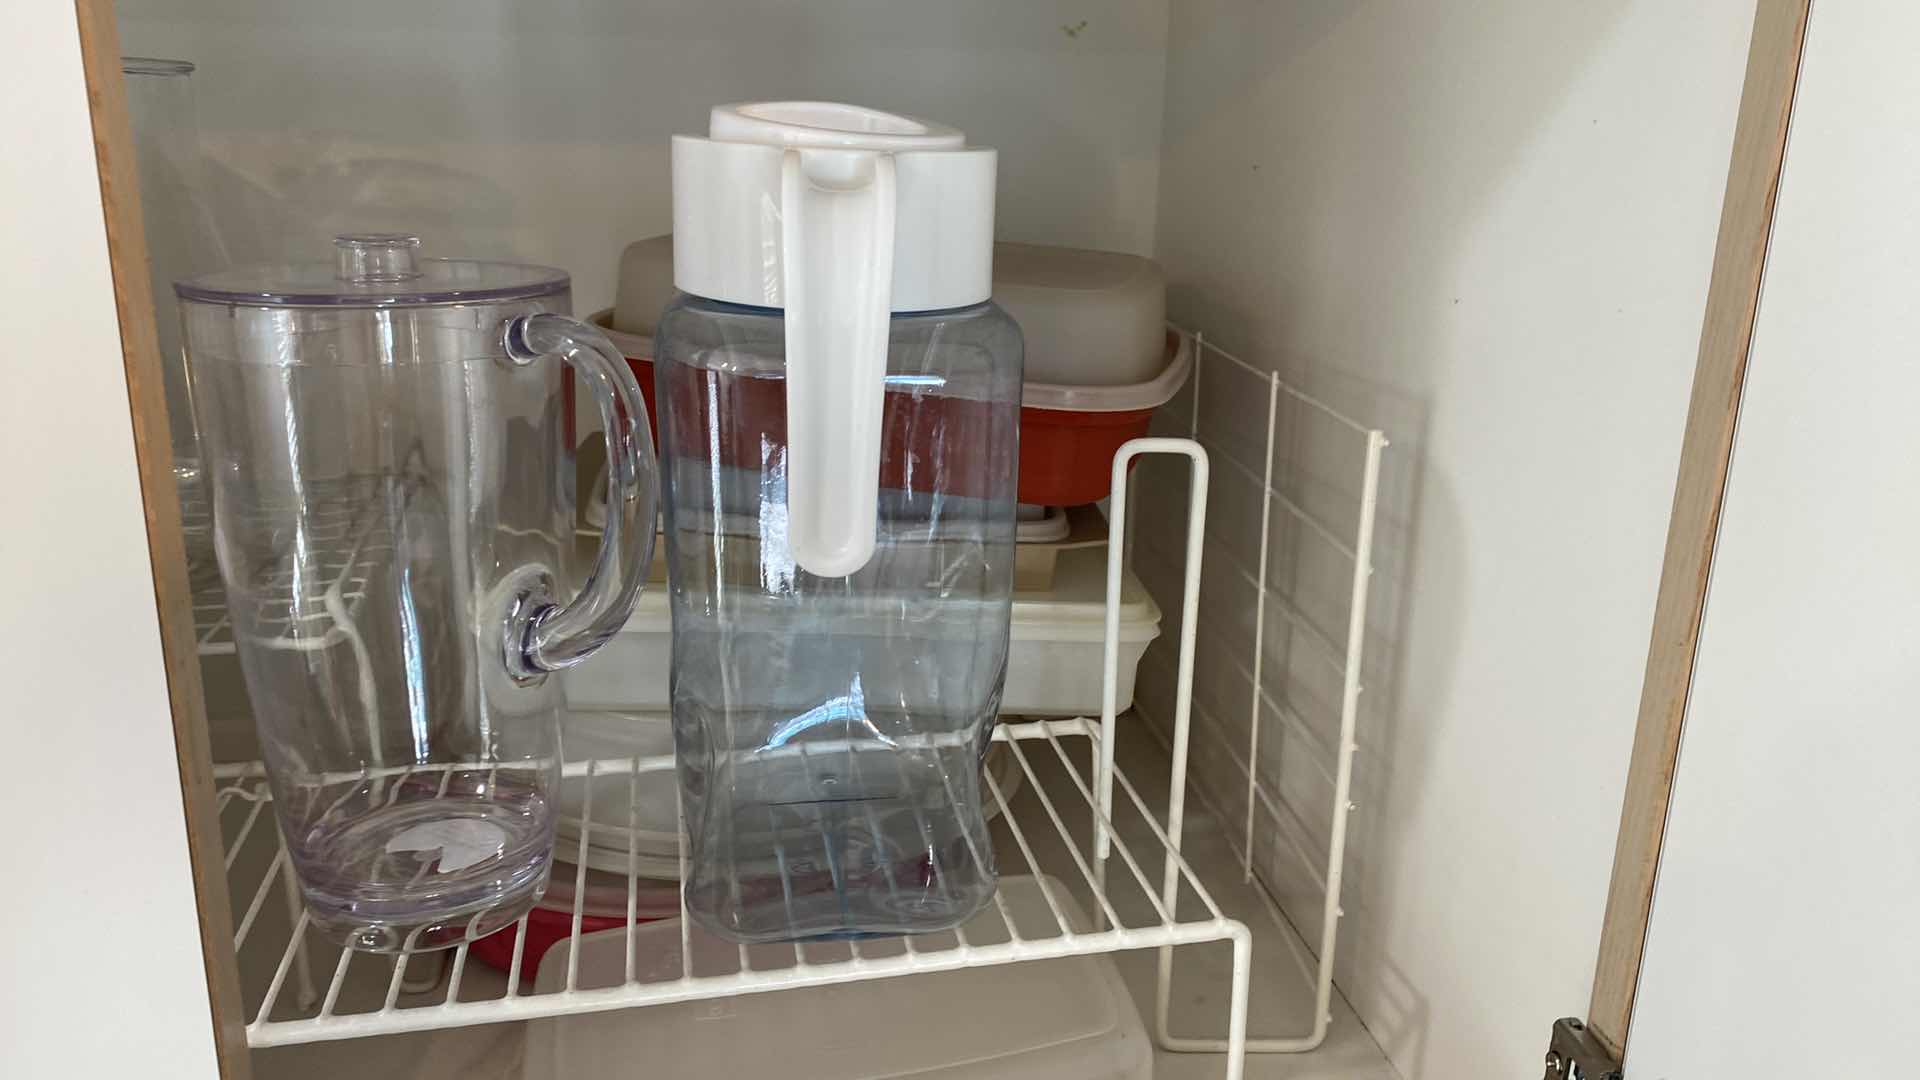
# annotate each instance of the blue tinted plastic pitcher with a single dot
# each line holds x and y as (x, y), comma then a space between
(839, 431)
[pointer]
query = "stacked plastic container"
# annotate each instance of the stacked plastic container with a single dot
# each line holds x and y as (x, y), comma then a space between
(1100, 360)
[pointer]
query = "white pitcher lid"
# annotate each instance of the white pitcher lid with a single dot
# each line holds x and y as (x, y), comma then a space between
(727, 200)
(838, 216)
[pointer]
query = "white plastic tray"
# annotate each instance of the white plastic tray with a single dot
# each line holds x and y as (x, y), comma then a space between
(1062, 1019)
(1053, 668)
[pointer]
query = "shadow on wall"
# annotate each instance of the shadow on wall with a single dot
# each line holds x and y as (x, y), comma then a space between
(1306, 147)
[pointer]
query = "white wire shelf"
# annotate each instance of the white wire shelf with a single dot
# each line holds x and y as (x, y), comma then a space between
(295, 1007)
(304, 1001)
(346, 540)
(1065, 830)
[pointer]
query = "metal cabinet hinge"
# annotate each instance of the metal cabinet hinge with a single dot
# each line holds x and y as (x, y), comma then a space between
(1575, 1053)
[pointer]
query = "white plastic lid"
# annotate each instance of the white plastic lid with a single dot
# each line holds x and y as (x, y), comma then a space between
(839, 216)
(1177, 356)
(645, 286)
(1090, 318)
(729, 246)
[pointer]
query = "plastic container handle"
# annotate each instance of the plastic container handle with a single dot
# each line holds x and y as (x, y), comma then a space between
(542, 635)
(836, 234)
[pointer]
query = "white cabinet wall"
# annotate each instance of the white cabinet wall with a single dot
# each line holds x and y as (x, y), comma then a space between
(1487, 228)
(101, 968)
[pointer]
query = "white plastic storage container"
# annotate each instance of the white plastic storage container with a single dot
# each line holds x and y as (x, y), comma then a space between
(1099, 357)
(1053, 668)
(1090, 318)
(1068, 1018)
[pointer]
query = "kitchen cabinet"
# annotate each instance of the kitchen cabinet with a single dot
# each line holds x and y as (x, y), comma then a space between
(1527, 242)
(1781, 926)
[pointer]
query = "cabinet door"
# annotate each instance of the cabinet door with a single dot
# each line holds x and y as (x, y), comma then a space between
(1726, 339)
(1760, 923)
(105, 970)
(1783, 942)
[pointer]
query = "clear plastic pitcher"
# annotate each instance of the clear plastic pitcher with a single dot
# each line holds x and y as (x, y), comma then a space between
(393, 513)
(839, 432)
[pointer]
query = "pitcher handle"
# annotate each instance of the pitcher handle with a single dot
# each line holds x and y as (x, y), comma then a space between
(837, 217)
(544, 635)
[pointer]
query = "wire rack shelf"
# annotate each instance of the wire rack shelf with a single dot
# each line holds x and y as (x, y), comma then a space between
(1068, 829)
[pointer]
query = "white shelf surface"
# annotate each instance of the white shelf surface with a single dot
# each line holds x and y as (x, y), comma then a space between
(291, 1010)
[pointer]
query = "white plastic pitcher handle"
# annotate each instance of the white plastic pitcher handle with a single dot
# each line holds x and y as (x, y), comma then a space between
(836, 233)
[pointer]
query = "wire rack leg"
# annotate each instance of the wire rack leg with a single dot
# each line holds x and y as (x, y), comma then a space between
(1237, 1003)
(296, 906)
(1189, 630)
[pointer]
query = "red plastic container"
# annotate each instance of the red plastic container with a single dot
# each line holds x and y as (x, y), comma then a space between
(551, 921)
(1066, 458)
(1068, 434)
(545, 929)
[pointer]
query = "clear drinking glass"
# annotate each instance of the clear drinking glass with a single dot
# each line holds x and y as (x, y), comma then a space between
(181, 241)
(830, 730)
(393, 506)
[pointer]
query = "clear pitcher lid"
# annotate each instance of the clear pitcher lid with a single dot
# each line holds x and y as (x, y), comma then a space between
(375, 270)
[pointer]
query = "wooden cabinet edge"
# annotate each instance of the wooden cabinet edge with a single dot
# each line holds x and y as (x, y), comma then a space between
(1733, 295)
(140, 349)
